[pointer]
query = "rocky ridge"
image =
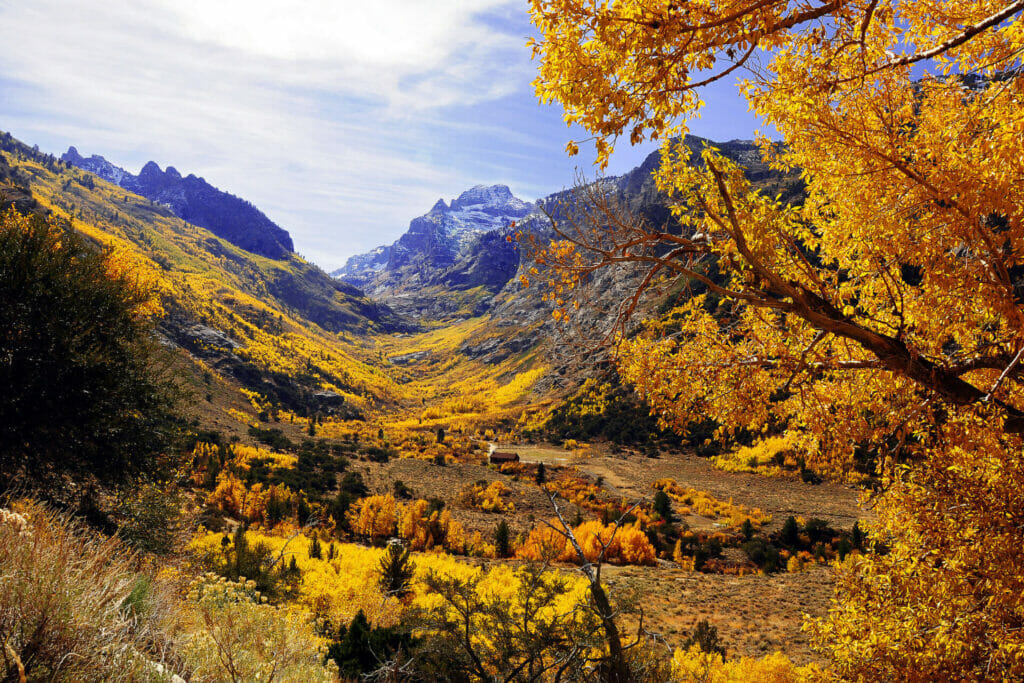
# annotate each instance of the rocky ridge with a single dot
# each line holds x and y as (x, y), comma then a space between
(194, 200)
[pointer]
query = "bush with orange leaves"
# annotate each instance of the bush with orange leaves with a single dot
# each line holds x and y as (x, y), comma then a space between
(489, 499)
(375, 518)
(258, 504)
(425, 530)
(626, 544)
(581, 492)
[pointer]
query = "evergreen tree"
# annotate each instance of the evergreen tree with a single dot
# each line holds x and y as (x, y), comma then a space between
(857, 536)
(541, 475)
(790, 534)
(396, 571)
(360, 650)
(663, 505)
(501, 539)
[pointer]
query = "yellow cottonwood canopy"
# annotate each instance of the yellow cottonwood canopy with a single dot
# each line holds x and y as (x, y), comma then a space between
(881, 318)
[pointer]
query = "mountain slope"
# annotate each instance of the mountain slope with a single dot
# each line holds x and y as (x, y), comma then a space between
(279, 327)
(196, 201)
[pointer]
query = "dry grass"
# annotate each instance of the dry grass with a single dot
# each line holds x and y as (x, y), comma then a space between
(66, 601)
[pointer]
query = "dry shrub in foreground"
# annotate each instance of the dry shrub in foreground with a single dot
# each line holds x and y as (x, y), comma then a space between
(75, 607)
(65, 608)
(229, 633)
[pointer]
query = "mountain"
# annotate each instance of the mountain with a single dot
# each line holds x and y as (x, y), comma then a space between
(455, 247)
(194, 200)
(455, 261)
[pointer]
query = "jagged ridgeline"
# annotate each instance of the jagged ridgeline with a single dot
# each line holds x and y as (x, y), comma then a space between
(275, 324)
(194, 200)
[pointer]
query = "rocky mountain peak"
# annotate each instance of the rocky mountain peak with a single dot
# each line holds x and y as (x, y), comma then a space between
(491, 199)
(440, 240)
(150, 171)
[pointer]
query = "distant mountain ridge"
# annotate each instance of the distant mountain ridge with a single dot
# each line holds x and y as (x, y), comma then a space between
(462, 246)
(194, 200)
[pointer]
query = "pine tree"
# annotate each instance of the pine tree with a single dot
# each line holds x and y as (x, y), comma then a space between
(663, 505)
(790, 534)
(541, 475)
(396, 571)
(501, 539)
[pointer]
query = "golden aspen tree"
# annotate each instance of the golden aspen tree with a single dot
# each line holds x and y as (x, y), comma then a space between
(881, 316)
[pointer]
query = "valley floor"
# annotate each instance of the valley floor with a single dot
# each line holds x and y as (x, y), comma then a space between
(755, 614)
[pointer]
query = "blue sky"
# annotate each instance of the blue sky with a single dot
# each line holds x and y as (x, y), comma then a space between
(341, 120)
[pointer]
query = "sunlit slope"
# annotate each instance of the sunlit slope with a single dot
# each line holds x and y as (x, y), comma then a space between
(238, 312)
(447, 388)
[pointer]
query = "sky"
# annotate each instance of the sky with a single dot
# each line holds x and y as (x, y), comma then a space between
(340, 120)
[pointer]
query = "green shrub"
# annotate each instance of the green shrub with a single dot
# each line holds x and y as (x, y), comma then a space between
(82, 394)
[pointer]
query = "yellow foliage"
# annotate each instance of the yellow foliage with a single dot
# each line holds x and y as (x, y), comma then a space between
(704, 504)
(251, 504)
(489, 499)
(520, 384)
(338, 588)
(696, 666)
(138, 273)
(621, 545)
(374, 517)
(245, 454)
(437, 531)
(767, 456)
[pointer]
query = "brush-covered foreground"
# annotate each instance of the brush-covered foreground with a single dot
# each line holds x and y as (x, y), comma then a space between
(77, 606)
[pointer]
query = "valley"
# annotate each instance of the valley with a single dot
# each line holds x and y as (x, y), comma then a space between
(730, 411)
(311, 399)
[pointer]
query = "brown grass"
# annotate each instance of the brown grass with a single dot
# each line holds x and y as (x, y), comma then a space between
(64, 601)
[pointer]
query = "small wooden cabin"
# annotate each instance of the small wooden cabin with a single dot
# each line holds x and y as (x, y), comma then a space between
(502, 457)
